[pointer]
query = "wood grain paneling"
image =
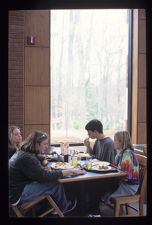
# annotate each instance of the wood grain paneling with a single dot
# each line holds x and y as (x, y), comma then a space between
(31, 128)
(37, 71)
(142, 133)
(37, 63)
(141, 105)
(142, 13)
(142, 36)
(37, 24)
(37, 109)
(142, 71)
(139, 78)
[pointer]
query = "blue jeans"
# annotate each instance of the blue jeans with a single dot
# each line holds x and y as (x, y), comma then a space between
(55, 190)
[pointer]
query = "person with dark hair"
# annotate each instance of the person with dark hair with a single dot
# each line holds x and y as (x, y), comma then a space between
(14, 139)
(28, 179)
(103, 148)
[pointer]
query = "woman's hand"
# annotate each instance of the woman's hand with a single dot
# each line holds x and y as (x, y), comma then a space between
(73, 171)
(44, 162)
(78, 171)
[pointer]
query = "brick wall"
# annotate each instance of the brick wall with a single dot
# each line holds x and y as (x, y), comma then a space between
(16, 69)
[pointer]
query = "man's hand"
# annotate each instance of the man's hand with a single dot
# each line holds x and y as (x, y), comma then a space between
(87, 143)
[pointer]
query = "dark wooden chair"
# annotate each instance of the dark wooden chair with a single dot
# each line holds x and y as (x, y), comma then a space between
(22, 209)
(118, 202)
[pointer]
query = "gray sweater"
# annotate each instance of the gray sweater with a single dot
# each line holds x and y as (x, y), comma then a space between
(104, 150)
(25, 168)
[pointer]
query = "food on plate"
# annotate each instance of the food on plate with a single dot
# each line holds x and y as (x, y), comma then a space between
(98, 165)
(77, 151)
(61, 165)
(80, 154)
(105, 167)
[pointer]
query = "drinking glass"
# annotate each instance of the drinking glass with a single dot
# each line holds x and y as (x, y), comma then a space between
(74, 161)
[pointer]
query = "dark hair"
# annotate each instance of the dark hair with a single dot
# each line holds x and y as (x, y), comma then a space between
(36, 137)
(94, 125)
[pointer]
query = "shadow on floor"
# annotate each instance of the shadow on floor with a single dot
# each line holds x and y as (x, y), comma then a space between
(109, 212)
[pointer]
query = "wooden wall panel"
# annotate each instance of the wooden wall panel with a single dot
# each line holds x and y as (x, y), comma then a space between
(142, 133)
(139, 97)
(31, 128)
(36, 105)
(142, 105)
(37, 63)
(37, 71)
(142, 71)
(37, 24)
(142, 35)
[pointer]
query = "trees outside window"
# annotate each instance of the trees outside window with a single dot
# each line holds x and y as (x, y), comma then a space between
(89, 71)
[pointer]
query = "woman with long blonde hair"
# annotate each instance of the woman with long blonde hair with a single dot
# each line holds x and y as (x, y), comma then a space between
(14, 139)
(126, 161)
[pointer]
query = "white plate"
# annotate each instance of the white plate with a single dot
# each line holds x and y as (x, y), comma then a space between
(61, 165)
(82, 155)
(100, 163)
(99, 169)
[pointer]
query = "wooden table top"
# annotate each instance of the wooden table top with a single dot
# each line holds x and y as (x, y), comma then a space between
(92, 176)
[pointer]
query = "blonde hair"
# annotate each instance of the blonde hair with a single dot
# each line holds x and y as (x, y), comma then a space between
(11, 129)
(124, 138)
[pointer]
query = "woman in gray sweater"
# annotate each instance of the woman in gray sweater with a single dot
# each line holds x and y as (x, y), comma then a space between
(28, 178)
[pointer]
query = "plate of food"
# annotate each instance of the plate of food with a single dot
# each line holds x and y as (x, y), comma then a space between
(100, 166)
(82, 155)
(61, 165)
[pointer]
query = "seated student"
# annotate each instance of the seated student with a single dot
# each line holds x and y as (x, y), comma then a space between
(126, 161)
(103, 148)
(28, 179)
(14, 140)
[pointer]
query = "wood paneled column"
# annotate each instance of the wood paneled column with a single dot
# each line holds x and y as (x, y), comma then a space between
(37, 71)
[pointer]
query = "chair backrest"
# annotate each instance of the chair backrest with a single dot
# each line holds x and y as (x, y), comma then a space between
(142, 174)
(145, 149)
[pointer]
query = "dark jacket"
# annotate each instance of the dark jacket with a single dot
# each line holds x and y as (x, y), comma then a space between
(25, 168)
(11, 151)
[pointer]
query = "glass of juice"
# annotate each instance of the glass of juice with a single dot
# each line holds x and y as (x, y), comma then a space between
(74, 161)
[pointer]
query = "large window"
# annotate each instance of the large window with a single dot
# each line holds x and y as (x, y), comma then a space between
(89, 71)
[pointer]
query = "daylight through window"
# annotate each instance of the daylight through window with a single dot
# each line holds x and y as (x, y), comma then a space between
(89, 71)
